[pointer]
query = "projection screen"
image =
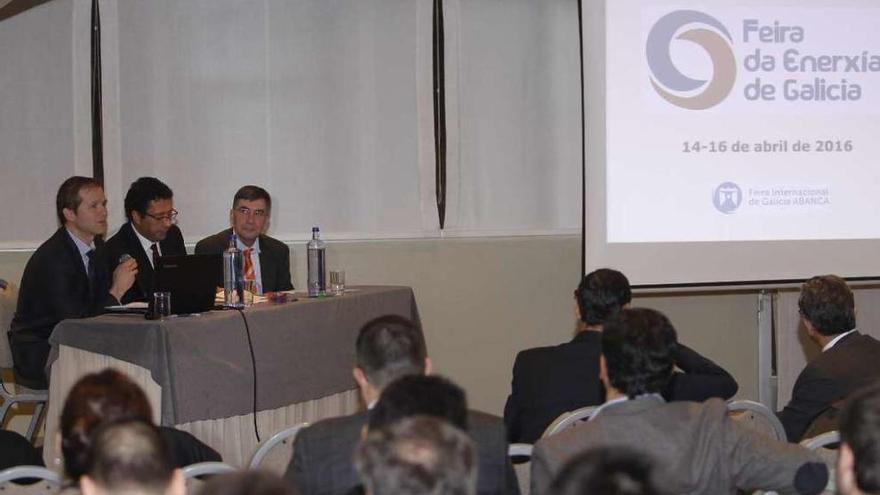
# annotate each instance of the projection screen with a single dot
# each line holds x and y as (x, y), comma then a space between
(731, 141)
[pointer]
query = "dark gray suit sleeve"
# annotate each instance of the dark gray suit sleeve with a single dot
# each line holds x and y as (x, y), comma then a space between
(297, 473)
(760, 462)
(543, 467)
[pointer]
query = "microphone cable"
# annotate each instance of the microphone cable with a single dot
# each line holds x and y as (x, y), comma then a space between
(247, 330)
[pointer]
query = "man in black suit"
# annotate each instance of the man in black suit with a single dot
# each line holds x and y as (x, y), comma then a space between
(67, 277)
(266, 260)
(548, 381)
(387, 348)
(849, 360)
(149, 234)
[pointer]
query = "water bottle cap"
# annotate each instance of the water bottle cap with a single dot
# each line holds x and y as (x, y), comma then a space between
(315, 229)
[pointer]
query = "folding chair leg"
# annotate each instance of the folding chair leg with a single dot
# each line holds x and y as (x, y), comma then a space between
(34, 425)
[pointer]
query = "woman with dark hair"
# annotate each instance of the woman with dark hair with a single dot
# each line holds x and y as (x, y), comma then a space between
(107, 397)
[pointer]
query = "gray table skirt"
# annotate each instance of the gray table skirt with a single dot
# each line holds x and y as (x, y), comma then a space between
(304, 350)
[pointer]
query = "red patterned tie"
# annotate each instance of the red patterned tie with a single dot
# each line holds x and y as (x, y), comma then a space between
(248, 265)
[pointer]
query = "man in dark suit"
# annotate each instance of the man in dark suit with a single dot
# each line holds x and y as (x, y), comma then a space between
(67, 277)
(696, 447)
(549, 381)
(149, 234)
(266, 260)
(387, 348)
(849, 360)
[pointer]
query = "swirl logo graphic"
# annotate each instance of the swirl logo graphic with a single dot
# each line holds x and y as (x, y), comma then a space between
(669, 82)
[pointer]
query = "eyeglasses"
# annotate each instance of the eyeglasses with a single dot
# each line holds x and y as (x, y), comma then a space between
(245, 211)
(171, 216)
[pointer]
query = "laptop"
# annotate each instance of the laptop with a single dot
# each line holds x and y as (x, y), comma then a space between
(191, 279)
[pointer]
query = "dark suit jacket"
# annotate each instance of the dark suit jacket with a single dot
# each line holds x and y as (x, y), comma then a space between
(54, 287)
(126, 242)
(548, 381)
(323, 456)
(274, 259)
(696, 447)
(851, 364)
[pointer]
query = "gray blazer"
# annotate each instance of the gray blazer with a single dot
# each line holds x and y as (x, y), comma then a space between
(697, 448)
(323, 454)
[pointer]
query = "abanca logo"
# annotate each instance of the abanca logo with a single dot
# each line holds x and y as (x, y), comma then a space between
(669, 82)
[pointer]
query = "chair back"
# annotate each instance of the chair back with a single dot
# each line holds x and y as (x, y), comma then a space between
(275, 453)
(194, 473)
(520, 455)
(568, 419)
(46, 481)
(758, 417)
(829, 438)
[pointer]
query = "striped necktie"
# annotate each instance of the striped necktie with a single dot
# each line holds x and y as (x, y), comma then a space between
(249, 265)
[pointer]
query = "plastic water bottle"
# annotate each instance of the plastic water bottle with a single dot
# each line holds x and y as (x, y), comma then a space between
(233, 287)
(316, 262)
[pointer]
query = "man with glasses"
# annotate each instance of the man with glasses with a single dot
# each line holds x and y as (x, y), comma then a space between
(266, 260)
(149, 234)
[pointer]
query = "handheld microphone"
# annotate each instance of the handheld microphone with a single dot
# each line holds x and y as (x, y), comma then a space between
(125, 257)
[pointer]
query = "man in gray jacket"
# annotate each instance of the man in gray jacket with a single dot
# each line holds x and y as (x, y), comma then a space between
(388, 348)
(695, 446)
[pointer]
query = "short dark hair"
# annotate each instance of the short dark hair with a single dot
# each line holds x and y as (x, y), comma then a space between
(252, 193)
(606, 471)
(247, 483)
(129, 455)
(68, 194)
(388, 348)
(638, 345)
(94, 400)
(860, 430)
(143, 191)
(602, 293)
(828, 304)
(420, 395)
(417, 456)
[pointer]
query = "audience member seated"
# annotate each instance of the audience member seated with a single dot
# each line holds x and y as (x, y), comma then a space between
(697, 448)
(66, 277)
(849, 360)
(438, 397)
(149, 234)
(420, 455)
(858, 465)
(130, 458)
(548, 381)
(106, 397)
(247, 483)
(16, 450)
(387, 348)
(606, 471)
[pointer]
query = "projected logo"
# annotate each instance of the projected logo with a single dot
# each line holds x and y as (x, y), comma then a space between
(727, 198)
(673, 85)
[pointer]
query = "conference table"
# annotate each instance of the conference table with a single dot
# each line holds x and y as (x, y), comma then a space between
(199, 373)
